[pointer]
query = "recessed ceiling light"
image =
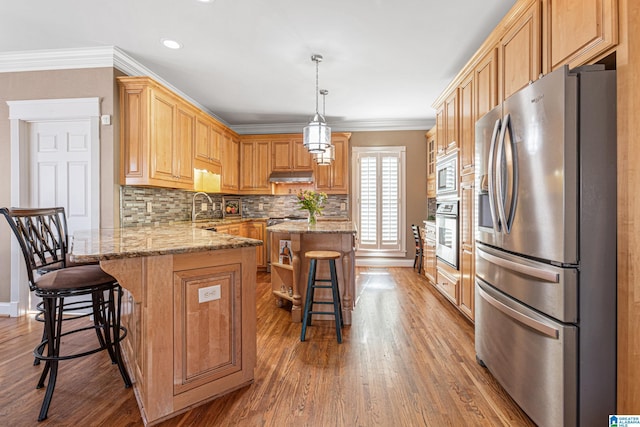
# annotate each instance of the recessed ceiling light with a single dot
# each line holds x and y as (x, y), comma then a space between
(171, 44)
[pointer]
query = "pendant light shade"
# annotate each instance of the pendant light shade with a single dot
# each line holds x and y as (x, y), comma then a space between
(326, 157)
(316, 136)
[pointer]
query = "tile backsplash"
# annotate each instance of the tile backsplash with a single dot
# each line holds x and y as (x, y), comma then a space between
(175, 205)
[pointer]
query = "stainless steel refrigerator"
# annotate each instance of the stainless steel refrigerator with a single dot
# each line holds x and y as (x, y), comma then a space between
(546, 246)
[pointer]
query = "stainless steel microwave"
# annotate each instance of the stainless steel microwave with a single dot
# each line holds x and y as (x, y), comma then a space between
(447, 176)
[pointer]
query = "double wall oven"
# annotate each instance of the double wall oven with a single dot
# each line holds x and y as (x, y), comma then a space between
(447, 240)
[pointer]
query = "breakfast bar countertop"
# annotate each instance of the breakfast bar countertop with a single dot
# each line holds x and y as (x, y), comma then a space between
(129, 242)
(321, 227)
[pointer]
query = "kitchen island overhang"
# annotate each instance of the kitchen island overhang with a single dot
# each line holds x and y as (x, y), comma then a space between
(190, 309)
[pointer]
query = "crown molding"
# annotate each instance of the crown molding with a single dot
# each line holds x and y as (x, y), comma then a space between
(343, 126)
(112, 56)
(86, 57)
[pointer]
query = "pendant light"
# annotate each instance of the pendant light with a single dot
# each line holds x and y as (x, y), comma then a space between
(326, 157)
(316, 136)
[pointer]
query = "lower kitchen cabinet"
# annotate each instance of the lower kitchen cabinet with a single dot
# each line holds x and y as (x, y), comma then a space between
(253, 229)
(429, 251)
(448, 282)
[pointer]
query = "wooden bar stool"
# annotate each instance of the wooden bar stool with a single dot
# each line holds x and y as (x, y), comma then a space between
(316, 256)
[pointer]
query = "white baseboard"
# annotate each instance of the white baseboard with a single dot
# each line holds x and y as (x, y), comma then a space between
(384, 262)
(9, 309)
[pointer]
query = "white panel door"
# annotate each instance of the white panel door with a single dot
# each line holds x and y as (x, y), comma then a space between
(61, 169)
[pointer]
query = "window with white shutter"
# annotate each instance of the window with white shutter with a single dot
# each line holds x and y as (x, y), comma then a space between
(379, 200)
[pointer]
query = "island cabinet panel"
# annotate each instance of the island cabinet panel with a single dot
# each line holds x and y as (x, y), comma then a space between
(207, 325)
(578, 31)
(520, 52)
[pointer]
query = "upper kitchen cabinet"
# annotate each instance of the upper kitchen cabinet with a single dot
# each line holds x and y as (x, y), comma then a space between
(431, 162)
(207, 142)
(288, 154)
(157, 135)
(486, 83)
(334, 178)
(230, 155)
(467, 123)
(520, 51)
(447, 124)
(576, 32)
(255, 170)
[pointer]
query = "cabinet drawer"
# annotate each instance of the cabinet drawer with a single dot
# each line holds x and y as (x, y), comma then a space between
(448, 285)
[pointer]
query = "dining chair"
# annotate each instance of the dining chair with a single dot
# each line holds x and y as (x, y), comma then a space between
(417, 261)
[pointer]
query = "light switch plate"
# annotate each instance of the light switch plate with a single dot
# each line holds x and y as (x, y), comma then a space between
(203, 207)
(343, 206)
(209, 293)
(149, 207)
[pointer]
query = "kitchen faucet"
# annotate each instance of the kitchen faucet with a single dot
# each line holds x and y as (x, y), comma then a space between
(194, 215)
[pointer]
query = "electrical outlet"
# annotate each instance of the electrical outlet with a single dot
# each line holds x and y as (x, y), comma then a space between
(260, 206)
(343, 206)
(213, 206)
(209, 293)
(203, 207)
(149, 207)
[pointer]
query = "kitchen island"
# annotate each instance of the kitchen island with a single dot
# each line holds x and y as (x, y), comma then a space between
(189, 309)
(289, 276)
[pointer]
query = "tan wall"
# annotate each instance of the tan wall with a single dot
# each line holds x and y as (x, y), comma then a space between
(96, 82)
(416, 173)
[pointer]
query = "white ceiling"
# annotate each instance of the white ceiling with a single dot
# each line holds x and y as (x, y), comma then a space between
(249, 61)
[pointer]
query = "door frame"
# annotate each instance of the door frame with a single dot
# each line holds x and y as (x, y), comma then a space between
(20, 114)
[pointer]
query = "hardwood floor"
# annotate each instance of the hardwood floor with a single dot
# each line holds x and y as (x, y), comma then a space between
(407, 360)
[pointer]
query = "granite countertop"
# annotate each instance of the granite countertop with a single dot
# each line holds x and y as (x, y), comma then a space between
(325, 227)
(130, 242)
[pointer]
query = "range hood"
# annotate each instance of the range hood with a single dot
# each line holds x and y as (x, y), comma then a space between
(293, 177)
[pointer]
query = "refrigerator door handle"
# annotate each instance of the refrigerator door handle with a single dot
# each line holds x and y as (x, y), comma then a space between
(491, 174)
(542, 328)
(538, 273)
(511, 161)
(512, 170)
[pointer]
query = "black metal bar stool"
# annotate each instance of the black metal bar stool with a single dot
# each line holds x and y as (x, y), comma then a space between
(316, 256)
(42, 239)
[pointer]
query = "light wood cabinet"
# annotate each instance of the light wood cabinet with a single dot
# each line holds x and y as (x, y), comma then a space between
(447, 124)
(451, 122)
(520, 52)
(255, 166)
(447, 282)
(429, 251)
(212, 328)
(486, 83)
(230, 154)
(467, 246)
(157, 132)
(576, 32)
(289, 154)
(257, 230)
(441, 146)
(431, 162)
(207, 142)
(467, 123)
(334, 178)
